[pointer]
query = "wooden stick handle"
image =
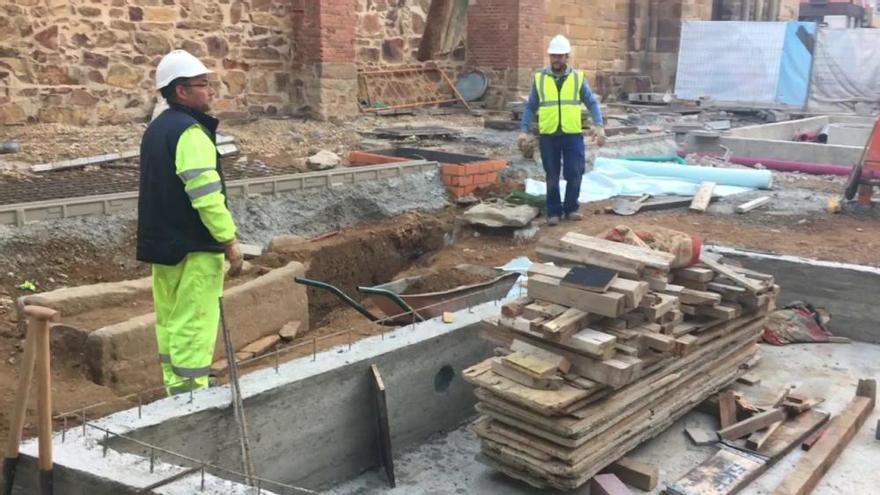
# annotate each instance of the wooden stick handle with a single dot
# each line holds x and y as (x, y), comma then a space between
(42, 316)
(26, 373)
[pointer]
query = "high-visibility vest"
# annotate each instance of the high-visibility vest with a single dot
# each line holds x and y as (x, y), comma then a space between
(559, 106)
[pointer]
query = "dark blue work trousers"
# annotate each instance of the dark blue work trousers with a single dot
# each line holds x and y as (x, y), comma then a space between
(562, 153)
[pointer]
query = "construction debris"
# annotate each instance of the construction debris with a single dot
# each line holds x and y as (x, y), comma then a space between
(637, 361)
(751, 205)
(323, 160)
(500, 215)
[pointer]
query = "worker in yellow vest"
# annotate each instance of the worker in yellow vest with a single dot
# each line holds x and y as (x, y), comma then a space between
(185, 228)
(557, 94)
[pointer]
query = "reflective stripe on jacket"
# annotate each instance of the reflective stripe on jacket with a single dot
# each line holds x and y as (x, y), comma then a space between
(559, 107)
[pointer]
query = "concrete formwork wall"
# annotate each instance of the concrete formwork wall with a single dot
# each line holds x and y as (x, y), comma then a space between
(849, 292)
(85, 62)
(321, 428)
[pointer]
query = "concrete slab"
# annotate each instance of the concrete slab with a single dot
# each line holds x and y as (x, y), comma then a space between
(446, 463)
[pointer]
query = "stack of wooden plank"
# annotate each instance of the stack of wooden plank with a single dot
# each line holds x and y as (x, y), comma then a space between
(610, 347)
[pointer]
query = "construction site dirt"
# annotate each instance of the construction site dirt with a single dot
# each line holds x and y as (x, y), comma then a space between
(375, 253)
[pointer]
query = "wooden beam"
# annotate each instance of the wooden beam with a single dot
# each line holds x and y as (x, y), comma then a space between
(702, 197)
(842, 428)
(634, 473)
(608, 484)
(546, 288)
(727, 408)
(565, 325)
(385, 451)
(530, 364)
(592, 341)
(559, 252)
(726, 271)
(747, 426)
(751, 205)
(516, 374)
(602, 247)
(556, 360)
(694, 273)
(541, 309)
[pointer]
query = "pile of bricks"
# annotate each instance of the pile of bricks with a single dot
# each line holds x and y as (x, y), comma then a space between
(461, 180)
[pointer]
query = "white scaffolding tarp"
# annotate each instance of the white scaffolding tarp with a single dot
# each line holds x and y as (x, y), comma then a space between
(846, 71)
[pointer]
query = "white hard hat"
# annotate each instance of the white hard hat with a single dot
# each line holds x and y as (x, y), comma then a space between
(559, 45)
(178, 63)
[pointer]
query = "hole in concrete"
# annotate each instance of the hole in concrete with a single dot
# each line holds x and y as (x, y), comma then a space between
(443, 379)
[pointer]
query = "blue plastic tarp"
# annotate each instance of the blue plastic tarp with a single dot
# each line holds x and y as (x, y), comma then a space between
(612, 177)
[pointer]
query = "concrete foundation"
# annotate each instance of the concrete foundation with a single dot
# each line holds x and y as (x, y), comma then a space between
(848, 291)
(776, 141)
(312, 422)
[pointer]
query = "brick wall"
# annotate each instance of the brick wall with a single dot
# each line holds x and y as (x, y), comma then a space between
(88, 62)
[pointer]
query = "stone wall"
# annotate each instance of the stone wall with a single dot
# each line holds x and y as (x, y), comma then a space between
(598, 31)
(88, 62)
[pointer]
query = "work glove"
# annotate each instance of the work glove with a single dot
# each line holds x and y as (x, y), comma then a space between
(600, 136)
(235, 258)
(526, 144)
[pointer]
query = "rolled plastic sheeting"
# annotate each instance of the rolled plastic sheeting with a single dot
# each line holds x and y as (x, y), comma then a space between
(760, 179)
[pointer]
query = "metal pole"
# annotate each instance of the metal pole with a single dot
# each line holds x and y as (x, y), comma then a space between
(237, 403)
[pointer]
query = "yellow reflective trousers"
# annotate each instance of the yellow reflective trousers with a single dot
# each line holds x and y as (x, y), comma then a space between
(186, 297)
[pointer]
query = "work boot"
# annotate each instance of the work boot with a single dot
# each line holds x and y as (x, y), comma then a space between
(551, 221)
(574, 216)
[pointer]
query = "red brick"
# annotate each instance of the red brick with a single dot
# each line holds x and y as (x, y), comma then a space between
(471, 168)
(447, 179)
(459, 191)
(361, 158)
(452, 169)
(492, 166)
(462, 180)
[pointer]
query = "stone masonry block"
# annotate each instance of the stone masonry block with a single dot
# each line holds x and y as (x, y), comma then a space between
(124, 357)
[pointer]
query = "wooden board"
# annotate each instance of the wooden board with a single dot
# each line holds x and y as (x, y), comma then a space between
(555, 360)
(751, 205)
(635, 473)
(548, 289)
(702, 197)
(541, 309)
(590, 277)
(530, 364)
(592, 341)
(722, 312)
(726, 472)
(558, 252)
(727, 408)
(842, 428)
(654, 311)
(549, 402)
(608, 484)
(728, 272)
(504, 330)
(748, 426)
(694, 273)
(565, 325)
(502, 368)
(650, 257)
(515, 308)
(385, 451)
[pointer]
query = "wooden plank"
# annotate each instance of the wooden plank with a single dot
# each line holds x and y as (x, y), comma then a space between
(813, 438)
(685, 344)
(385, 451)
(560, 362)
(546, 288)
(726, 472)
(757, 440)
(747, 426)
(722, 312)
(556, 251)
(608, 484)
(530, 364)
(702, 197)
(751, 205)
(749, 379)
(657, 341)
(602, 247)
(726, 271)
(516, 374)
(592, 341)
(505, 330)
(727, 408)
(542, 309)
(792, 432)
(694, 273)
(635, 473)
(842, 428)
(565, 325)
(591, 277)
(634, 290)
(666, 304)
(692, 296)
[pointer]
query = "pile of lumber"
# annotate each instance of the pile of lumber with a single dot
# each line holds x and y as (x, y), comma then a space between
(608, 349)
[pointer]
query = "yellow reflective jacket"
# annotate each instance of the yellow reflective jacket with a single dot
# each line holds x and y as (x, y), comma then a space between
(559, 106)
